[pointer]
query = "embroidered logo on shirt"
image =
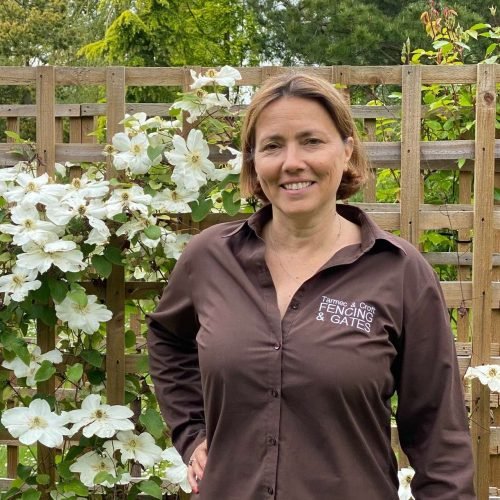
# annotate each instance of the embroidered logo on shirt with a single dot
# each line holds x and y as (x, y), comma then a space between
(359, 315)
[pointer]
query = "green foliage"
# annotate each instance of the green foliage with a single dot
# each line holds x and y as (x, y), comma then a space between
(159, 33)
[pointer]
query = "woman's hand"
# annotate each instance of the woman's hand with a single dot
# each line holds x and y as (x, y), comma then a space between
(197, 464)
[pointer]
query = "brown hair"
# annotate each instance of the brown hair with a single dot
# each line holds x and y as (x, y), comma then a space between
(306, 87)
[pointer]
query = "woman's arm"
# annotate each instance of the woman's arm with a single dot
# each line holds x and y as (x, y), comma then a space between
(431, 416)
(173, 360)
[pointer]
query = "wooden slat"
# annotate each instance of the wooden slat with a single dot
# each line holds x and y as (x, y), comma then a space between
(115, 289)
(45, 141)
(29, 110)
(349, 75)
(11, 75)
(463, 245)
(482, 266)
(410, 153)
(454, 292)
(463, 259)
(369, 189)
(438, 155)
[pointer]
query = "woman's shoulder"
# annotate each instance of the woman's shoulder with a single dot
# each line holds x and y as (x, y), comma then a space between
(214, 237)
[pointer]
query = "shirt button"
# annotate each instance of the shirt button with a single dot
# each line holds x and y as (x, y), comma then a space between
(271, 441)
(270, 490)
(277, 347)
(274, 393)
(294, 306)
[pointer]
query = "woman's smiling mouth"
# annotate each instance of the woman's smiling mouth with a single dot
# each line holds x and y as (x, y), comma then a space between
(294, 186)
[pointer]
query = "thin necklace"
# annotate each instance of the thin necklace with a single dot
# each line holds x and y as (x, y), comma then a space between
(275, 251)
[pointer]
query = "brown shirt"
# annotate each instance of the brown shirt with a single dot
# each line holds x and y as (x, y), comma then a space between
(299, 408)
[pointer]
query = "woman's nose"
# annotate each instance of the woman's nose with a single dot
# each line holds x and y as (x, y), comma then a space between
(292, 158)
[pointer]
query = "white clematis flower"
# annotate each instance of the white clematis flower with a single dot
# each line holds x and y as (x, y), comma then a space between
(190, 159)
(133, 200)
(226, 77)
(32, 190)
(36, 423)
(98, 419)
(17, 285)
(28, 226)
(405, 475)
(90, 464)
(174, 244)
(60, 253)
(487, 374)
(87, 318)
(177, 473)
(140, 448)
(21, 369)
(174, 202)
(132, 153)
(87, 188)
(233, 166)
(200, 103)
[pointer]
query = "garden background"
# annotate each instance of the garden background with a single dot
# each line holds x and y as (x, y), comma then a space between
(427, 107)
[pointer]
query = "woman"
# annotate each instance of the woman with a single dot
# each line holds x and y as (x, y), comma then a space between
(279, 341)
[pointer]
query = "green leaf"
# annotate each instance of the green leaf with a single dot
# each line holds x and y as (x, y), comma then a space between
(130, 339)
(231, 206)
(150, 488)
(200, 209)
(93, 357)
(42, 294)
(490, 49)
(154, 154)
(13, 135)
(153, 422)
(461, 162)
(497, 194)
(440, 44)
(78, 296)
(142, 364)
(122, 218)
(24, 471)
(102, 476)
(31, 494)
(153, 232)
(74, 373)
(480, 26)
(48, 315)
(58, 289)
(96, 376)
(43, 479)
(63, 468)
(76, 487)
(102, 265)
(16, 345)
(11, 493)
(45, 371)
(114, 255)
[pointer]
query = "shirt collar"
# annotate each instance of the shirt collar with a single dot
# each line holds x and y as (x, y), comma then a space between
(370, 232)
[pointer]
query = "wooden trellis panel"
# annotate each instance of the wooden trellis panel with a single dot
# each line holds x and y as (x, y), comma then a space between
(478, 290)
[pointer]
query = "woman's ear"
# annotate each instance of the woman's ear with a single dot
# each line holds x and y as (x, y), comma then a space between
(348, 149)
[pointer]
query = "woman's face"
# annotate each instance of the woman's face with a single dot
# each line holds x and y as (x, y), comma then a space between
(299, 157)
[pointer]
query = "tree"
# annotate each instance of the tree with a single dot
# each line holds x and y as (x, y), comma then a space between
(176, 33)
(34, 32)
(357, 32)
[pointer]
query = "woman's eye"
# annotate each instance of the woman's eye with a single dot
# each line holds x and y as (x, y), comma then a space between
(272, 146)
(312, 141)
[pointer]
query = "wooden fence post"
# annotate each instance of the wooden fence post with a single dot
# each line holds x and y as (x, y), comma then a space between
(410, 153)
(482, 267)
(115, 285)
(45, 144)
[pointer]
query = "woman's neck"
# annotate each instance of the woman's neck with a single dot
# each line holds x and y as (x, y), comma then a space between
(291, 234)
